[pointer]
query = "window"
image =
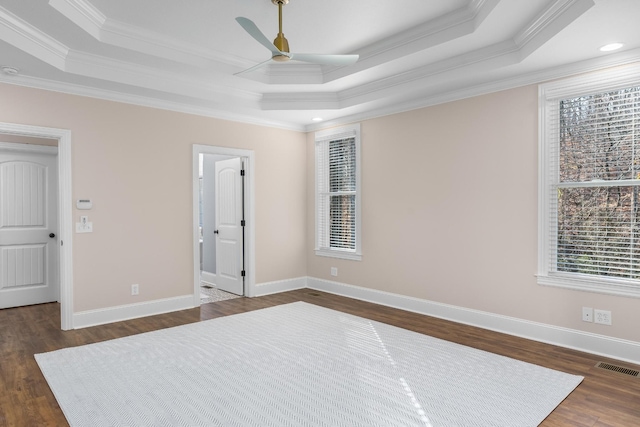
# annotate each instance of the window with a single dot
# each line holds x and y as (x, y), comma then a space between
(589, 233)
(338, 193)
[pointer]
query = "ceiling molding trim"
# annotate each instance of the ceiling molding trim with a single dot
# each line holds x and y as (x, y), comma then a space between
(497, 55)
(156, 44)
(549, 23)
(300, 101)
(456, 24)
(293, 72)
(112, 70)
(397, 85)
(448, 27)
(26, 37)
(81, 13)
(131, 37)
(506, 53)
(480, 9)
(537, 77)
(221, 113)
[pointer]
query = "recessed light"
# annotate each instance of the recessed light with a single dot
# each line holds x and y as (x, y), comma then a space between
(317, 119)
(10, 71)
(611, 46)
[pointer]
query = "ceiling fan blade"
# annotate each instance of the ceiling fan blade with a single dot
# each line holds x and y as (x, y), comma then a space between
(255, 67)
(325, 59)
(255, 32)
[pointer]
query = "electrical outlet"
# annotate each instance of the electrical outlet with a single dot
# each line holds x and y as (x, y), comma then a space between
(587, 314)
(334, 271)
(135, 289)
(602, 317)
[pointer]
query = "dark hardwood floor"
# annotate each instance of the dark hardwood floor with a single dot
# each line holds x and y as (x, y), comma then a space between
(604, 399)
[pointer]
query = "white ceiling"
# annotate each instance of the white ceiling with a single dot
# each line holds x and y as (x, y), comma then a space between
(183, 55)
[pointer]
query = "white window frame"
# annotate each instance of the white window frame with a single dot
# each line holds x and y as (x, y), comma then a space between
(332, 135)
(549, 95)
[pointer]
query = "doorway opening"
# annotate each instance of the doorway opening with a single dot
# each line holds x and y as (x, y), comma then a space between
(28, 221)
(221, 196)
(64, 236)
(223, 223)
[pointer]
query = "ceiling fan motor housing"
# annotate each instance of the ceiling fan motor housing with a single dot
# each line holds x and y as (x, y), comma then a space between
(281, 43)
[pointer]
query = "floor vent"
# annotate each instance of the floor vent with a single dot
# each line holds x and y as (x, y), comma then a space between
(313, 294)
(620, 369)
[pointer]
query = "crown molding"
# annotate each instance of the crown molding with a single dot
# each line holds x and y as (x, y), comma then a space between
(110, 31)
(415, 103)
(456, 24)
(112, 70)
(536, 77)
(396, 85)
(26, 37)
(81, 13)
(300, 101)
(460, 22)
(223, 113)
(553, 19)
(395, 93)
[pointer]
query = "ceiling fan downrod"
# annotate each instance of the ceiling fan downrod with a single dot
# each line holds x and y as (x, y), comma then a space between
(280, 42)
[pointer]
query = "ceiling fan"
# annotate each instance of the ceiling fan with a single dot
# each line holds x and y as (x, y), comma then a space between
(280, 46)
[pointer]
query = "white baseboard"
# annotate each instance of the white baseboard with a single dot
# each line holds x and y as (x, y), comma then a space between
(205, 276)
(614, 348)
(601, 345)
(278, 286)
(84, 319)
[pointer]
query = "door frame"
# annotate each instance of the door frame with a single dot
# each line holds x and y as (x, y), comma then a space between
(65, 217)
(249, 211)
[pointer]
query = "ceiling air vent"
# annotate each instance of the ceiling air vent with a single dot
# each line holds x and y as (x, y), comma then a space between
(619, 369)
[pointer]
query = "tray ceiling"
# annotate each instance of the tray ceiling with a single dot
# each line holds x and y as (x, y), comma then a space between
(185, 56)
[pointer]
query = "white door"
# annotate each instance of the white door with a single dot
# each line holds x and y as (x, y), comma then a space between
(28, 227)
(229, 260)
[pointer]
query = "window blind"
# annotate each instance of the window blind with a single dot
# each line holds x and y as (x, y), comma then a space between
(336, 190)
(594, 199)
(337, 194)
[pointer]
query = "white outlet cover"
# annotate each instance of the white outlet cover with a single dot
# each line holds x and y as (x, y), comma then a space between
(84, 228)
(602, 317)
(587, 314)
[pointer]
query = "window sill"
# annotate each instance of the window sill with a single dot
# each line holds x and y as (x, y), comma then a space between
(587, 283)
(339, 254)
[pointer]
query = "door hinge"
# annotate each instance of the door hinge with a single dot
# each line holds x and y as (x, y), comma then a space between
(242, 273)
(241, 172)
(242, 223)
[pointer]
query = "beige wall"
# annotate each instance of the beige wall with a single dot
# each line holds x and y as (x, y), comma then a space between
(449, 202)
(135, 164)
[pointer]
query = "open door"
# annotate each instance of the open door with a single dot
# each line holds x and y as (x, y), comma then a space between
(229, 229)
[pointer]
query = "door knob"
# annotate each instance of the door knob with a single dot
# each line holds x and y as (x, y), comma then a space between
(215, 231)
(52, 235)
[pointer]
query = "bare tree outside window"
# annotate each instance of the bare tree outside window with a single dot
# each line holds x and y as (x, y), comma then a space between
(342, 187)
(338, 193)
(598, 230)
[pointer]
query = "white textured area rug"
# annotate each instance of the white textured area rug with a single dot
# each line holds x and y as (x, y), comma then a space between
(297, 365)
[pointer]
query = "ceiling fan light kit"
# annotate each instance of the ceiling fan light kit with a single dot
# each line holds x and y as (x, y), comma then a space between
(280, 47)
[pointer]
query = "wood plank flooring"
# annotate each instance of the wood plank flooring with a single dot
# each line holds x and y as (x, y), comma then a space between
(604, 399)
